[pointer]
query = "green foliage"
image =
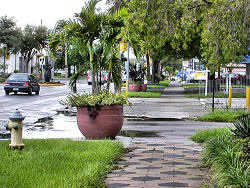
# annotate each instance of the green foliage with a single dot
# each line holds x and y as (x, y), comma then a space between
(10, 34)
(165, 82)
(89, 100)
(206, 135)
(58, 163)
(192, 85)
(224, 156)
(224, 32)
(241, 127)
(221, 116)
(147, 94)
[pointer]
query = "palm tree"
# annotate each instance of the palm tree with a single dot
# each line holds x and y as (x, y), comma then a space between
(87, 28)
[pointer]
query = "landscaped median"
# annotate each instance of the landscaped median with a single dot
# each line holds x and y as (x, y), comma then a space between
(58, 163)
(226, 155)
(51, 84)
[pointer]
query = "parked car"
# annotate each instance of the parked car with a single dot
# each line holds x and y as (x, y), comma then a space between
(21, 82)
(235, 78)
(90, 81)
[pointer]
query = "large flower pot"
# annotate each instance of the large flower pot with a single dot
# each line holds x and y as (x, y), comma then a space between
(105, 122)
(134, 87)
(144, 87)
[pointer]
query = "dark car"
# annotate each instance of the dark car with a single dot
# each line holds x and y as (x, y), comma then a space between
(21, 82)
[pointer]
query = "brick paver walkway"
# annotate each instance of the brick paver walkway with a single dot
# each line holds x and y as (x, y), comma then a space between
(159, 165)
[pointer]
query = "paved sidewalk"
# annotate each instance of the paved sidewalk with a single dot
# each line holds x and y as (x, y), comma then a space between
(159, 165)
(172, 105)
(167, 158)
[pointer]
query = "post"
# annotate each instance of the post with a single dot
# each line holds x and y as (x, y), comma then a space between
(248, 98)
(213, 91)
(127, 71)
(230, 97)
(66, 61)
(4, 48)
(206, 82)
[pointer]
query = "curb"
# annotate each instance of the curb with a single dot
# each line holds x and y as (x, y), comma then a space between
(51, 84)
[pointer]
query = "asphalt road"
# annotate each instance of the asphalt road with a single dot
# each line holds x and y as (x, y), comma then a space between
(36, 106)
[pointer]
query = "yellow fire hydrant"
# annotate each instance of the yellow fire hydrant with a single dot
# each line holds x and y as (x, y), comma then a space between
(15, 125)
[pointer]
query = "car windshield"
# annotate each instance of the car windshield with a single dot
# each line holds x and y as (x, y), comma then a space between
(23, 77)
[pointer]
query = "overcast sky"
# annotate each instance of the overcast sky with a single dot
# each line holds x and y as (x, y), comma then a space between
(33, 11)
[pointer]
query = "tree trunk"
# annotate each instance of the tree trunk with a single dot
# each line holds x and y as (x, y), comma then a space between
(108, 81)
(154, 71)
(148, 68)
(91, 58)
(159, 71)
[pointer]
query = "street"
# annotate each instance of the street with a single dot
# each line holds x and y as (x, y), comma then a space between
(36, 106)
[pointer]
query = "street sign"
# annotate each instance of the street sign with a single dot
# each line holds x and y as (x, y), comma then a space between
(123, 46)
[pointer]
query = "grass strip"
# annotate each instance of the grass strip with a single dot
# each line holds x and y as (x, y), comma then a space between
(58, 163)
(156, 86)
(203, 136)
(192, 85)
(221, 116)
(165, 82)
(147, 94)
(234, 95)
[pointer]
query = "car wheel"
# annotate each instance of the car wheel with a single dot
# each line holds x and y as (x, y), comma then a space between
(89, 83)
(37, 92)
(7, 93)
(30, 92)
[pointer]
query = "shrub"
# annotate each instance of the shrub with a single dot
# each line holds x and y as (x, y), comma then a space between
(224, 156)
(241, 127)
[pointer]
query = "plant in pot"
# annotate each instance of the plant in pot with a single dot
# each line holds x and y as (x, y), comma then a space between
(98, 116)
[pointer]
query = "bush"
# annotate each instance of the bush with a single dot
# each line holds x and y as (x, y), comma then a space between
(225, 158)
(241, 127)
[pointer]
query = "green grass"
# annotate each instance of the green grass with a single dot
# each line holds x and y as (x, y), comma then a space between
(224, 85)
(206, 135)
(165, 82)
(221, 116)
(58, 163)
(156, 86)
(234, 95)
(147, 94)
(224, 156)
(192, 85)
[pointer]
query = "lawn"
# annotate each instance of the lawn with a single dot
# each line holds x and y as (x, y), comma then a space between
(192, 85)
(147, 94)
(234, 95)
(58, 163)
(221, 116)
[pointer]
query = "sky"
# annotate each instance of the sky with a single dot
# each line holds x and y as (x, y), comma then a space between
(33, 11)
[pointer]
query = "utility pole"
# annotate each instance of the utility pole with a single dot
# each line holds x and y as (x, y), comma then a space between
(66, 60)
(127, 72)
(4, 51)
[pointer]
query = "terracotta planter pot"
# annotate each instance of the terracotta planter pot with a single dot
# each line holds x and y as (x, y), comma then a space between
(134, 87)
(105, 122)
(144, 87)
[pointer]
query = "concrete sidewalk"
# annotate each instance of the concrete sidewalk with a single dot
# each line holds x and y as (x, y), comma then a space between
(162, 154)
(172, 105)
